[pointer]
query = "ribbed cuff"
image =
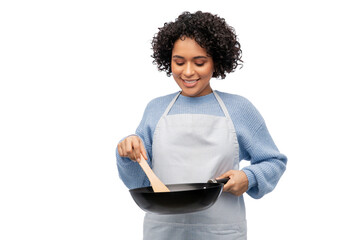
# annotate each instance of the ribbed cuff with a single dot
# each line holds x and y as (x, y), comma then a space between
(251, 179)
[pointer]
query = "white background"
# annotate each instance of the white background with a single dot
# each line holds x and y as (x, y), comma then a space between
(77, 75)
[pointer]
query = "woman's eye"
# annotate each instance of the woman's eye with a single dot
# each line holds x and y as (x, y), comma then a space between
(199, 64)
(179, 63)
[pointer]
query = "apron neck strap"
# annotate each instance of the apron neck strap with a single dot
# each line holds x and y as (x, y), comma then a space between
(220, 101)
(222, 104)
(171, 104)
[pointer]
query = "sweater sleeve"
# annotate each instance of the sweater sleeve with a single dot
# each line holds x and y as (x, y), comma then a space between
(130, 172)
(267, 163)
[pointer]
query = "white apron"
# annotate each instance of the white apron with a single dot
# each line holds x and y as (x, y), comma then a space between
(193, 148)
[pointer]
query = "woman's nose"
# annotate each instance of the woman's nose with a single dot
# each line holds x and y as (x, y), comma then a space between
(189, 70)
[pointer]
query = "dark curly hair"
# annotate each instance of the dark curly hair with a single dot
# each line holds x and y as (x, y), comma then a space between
(209, 31)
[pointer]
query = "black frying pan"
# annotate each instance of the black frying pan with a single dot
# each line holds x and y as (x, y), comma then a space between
(182, 198)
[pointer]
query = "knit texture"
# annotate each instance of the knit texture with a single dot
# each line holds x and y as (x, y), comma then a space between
(255, 143)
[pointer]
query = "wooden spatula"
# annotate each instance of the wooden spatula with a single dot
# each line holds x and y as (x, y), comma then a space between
(156, 184)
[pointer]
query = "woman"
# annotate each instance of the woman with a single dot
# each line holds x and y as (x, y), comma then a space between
(198, 134)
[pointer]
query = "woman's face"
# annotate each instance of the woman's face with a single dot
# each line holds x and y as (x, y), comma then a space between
(192, 68)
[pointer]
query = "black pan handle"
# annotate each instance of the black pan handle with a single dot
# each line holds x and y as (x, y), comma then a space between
(221, 180)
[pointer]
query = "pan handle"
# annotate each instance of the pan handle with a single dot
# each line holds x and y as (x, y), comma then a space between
(221, 180)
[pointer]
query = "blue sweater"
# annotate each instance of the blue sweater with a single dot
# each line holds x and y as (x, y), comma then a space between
(256, 145)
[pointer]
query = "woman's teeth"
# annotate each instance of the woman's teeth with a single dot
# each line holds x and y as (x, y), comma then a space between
(193, 81)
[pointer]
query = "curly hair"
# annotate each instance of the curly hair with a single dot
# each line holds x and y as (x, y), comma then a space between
(209, 31)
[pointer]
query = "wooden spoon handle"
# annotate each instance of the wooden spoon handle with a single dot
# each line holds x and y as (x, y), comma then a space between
(156, 184)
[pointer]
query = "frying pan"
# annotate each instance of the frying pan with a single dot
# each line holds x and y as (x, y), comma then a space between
(182, 198)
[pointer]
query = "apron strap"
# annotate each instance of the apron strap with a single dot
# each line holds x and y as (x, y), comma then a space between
(222, 105)
(171, 104)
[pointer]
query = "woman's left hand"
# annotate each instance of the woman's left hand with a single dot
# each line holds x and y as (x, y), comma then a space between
(238, 183)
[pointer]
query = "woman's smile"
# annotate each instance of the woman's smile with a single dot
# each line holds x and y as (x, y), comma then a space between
(190, 83)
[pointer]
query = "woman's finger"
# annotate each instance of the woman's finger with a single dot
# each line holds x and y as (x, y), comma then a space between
(122, 150)
(229, 185)
(119, 150)
(136, 150)
(143, 150)
(225, 175)
(129, 150)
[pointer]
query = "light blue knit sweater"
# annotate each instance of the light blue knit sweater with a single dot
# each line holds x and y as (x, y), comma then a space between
(256, 145)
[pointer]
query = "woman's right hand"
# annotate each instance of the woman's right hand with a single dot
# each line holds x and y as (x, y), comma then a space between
(132, 147)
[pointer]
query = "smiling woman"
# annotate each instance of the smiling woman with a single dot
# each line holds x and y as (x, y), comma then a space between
(198, 134)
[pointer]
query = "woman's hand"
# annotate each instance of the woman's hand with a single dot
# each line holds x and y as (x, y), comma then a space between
(132, 147)
(238, 183)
